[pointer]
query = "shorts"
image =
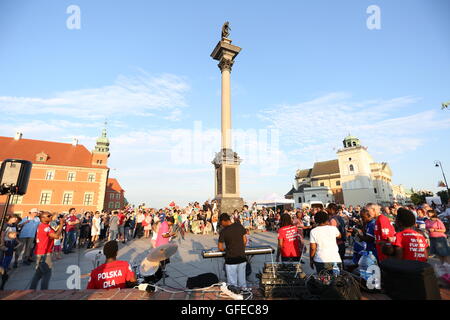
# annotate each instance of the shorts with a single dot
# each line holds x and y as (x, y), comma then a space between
(439, 246)
(57, 248)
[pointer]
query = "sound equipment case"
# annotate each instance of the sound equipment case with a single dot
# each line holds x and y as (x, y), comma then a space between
(409, 280)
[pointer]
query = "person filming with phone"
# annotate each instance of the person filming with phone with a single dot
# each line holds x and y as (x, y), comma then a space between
(45, 237)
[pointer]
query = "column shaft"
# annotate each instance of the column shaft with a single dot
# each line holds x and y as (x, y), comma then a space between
(226, 109)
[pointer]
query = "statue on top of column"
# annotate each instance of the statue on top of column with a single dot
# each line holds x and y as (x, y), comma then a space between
(226, 30)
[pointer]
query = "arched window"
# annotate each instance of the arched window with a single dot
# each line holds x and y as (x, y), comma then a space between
(313, 196)
(352, 168)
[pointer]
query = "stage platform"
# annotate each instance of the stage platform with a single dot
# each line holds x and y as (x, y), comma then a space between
(135, 294)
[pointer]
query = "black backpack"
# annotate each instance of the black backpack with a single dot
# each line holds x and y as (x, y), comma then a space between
(202, 281)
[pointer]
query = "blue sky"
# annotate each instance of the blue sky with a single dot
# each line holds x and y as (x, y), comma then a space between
(310, 71)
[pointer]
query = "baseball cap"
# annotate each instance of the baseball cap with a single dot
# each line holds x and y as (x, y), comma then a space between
(34, 210)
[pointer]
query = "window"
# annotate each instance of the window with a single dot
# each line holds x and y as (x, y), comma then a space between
(99, 161)
(375, 190)
(41, 157)
(349, 159)
(71, 176)
(111, 205)
(91, 177)
(111, 196)
(88, 199)
(46, 197)
(352, 168)
(313, 196)
(118, 196)
(50, 175)
(338, 183)
(117, 205)
(322, 184)
(67, 197)
(16, 199)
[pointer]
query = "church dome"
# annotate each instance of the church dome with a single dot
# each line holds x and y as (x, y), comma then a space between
(351, 141)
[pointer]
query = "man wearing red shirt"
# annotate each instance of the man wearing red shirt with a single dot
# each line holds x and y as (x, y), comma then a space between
(71, 232)
(113, 273)
(384, 230)
(409, 244)
(121, 226)
(45, 237)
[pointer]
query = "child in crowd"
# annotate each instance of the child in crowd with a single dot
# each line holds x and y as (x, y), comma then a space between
(10, 241)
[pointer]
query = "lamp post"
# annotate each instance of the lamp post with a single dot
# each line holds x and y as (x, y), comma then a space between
(437, 163)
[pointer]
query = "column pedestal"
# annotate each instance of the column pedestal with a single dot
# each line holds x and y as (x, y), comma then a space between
(226, 165)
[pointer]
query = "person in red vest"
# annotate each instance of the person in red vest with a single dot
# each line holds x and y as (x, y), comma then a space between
(114, 273)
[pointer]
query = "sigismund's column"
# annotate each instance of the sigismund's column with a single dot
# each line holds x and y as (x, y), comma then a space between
(226, 162)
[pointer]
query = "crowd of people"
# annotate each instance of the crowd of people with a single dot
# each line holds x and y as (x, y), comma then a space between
(403, 232)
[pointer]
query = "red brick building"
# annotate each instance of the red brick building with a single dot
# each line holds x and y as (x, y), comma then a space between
(114, 196)
(63, 176)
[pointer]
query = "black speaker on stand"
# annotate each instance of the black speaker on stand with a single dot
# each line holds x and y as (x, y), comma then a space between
(14, 177)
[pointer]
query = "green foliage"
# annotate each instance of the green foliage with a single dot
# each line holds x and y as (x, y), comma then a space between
(419, 197)
(444, 196)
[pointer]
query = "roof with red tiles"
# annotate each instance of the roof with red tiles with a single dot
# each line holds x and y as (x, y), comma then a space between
(57, 153)
(113, 185)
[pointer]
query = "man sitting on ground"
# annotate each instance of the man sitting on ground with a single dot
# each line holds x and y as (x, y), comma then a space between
(114, 273)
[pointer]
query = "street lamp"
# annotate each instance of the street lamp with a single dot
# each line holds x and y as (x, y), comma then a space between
(437, 163)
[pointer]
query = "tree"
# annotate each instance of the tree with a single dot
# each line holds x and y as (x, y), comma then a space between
(419, 197)
(444, 196)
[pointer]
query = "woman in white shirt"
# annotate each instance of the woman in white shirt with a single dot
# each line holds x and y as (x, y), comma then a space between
(96, 227)
(155, 230)
(324, 251)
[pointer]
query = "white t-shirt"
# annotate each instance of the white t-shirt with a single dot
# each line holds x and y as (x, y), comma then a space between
(325, 238)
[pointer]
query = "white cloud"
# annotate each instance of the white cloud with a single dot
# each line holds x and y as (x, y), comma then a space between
(315, 129)
(141, 94)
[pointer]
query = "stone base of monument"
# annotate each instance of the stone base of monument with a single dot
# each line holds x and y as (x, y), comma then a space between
(228, 205)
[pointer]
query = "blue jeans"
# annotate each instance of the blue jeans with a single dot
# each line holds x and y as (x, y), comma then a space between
(69, 240)
(43, 272)
(113, 234)
(236, 274)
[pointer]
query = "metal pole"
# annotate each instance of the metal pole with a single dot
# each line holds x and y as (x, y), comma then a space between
(5, 212)
(445, 179)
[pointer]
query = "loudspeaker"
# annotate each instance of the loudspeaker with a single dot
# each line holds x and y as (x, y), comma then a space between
(409, 280)
(14, 176)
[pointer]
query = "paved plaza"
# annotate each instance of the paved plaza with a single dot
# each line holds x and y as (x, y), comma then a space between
(187, 262)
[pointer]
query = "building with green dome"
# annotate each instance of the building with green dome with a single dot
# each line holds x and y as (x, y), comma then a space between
(354, 178)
